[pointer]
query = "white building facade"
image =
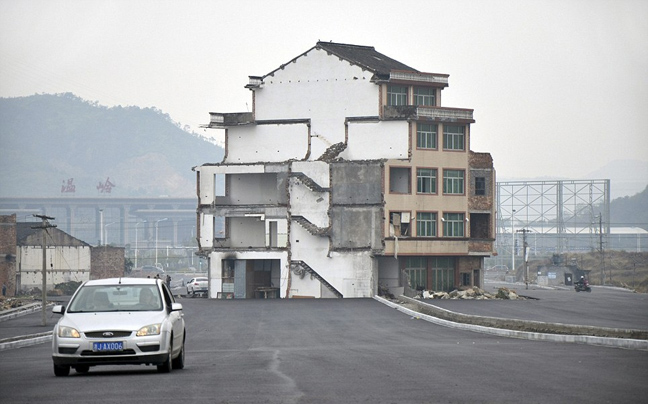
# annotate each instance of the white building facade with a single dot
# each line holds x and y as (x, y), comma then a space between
(66, 258)
(347, 174)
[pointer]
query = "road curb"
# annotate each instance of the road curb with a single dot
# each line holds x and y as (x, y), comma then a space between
(21, 311)
(25, 340)
(635, 344)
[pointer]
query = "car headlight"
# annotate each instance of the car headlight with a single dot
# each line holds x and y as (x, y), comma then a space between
(68, 332)
(153, 329)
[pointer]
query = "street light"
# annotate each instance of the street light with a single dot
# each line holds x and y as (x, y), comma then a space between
(105, 238)
(136, 250)
(512, 241)
(156, 239)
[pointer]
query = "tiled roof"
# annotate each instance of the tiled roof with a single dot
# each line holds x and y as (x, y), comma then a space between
(364, 56)
(24, 230)
(56, 237)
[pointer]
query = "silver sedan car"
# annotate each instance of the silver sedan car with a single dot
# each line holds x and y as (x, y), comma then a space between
(119, 321)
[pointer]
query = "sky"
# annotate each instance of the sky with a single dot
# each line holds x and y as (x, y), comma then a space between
(559, 88)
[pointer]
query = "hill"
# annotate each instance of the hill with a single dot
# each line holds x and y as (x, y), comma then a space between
(630, 210)
(48, 139)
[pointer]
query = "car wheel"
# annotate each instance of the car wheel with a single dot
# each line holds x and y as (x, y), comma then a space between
(61, 370)
(82, 368)
(178, 363)
(167, 365)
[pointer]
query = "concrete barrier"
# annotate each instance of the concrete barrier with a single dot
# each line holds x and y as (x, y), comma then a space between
(498, 326)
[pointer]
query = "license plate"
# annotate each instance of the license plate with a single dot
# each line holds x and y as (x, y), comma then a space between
(112, 346)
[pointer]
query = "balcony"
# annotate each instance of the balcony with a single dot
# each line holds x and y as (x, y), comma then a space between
(440, 114)
(219, 120)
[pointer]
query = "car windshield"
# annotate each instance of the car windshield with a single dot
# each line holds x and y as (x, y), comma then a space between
(105, 298)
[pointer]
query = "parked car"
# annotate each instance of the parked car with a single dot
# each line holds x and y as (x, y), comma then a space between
(197, 285)
(119, 321)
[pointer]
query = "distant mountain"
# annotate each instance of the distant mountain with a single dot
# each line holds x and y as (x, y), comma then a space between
(630, 211)
(54, 142)
(627, 177)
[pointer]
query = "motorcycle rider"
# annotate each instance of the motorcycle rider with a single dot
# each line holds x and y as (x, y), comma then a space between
(581, 281)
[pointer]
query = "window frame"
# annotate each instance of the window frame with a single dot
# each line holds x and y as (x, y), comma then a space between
(454, 224)
(450, 182)
(480, 186)
(433, 220)
(432, 180)
(424, 97)
(394, 98)
(450, 139)
(433, 136)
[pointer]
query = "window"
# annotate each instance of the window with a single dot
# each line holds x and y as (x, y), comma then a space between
(399, 223)
(400, 180)
(430, 273)
(453, 224)
(480, 186)
(396, 95)
(441, 273)
(426, 180)
(426, 136)
(454, 137)
(424, 96)
(416, 270)
(453, 181)
(426, 224)
(465, 279)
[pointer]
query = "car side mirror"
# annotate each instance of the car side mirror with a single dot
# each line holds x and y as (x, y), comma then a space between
(58, 309)
(176, 306)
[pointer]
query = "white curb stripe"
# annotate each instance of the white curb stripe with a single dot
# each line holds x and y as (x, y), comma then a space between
(627, 343)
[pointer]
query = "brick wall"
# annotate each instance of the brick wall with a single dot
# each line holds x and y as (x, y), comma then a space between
(106, 262)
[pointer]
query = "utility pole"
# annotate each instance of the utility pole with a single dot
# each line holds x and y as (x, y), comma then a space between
(44, 226)
(602, 265)
(525, 252)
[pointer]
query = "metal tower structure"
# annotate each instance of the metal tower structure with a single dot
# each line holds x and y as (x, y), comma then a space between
(561, 215)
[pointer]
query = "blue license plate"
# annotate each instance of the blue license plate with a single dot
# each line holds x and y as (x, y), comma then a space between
(112, 346)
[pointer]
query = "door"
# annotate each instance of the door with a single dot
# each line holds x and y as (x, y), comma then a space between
(239, 279)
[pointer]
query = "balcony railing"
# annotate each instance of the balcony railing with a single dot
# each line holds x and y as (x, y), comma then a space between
(421, 77)
(434, 113)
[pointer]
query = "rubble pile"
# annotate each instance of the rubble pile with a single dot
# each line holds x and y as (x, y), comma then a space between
(7, 303)
(473, 293)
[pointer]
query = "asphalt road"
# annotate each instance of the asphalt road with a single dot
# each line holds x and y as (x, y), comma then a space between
(338, 351)
(603, 307)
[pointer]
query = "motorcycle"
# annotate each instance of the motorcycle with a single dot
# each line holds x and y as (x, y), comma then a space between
(582, 287)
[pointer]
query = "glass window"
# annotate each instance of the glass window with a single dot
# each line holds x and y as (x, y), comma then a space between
(453, 181)
(426, 224)
(396, 95)
(453, 137)
(416, 270)
(441, 273)
(426, 180)
(480, 186)
(426, 136)
(453, 224)
(424, 96)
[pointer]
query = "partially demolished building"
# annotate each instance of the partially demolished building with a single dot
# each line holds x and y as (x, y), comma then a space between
(347, 174)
